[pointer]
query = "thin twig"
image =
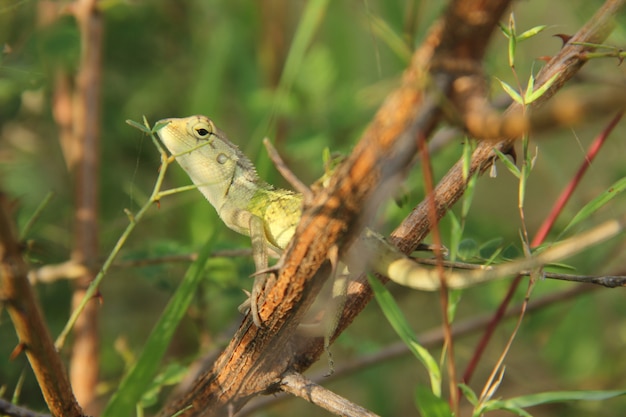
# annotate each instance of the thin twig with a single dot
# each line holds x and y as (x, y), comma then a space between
(296, 384)
(133, 220)
(287, 174)
(443, 291)
(609, 281)
(11, 410)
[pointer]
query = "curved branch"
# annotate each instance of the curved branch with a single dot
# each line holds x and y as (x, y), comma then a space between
(34, 337)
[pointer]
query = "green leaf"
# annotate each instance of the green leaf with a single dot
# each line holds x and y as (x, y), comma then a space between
(139, 378)
(468, 148)
(505, 30)
(158, 126)
(511, 91)
(468, 197)
(468, 249)
(500, 405)
(541, 90)
(508, 163)
(430, 405)
(529, 88)
(139, 126)
(456, 233)
(393, 40)
(530, 33)
(531, 400)
(512, 40)
(401, 326)
(469, 394)
(597, 203)
(172, 375)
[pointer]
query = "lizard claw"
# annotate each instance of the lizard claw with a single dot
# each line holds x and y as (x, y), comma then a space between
(274, 269)
(250, 306)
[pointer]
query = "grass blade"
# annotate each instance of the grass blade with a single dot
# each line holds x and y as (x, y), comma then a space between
(597, 203)
(401, 326)
(140, 376)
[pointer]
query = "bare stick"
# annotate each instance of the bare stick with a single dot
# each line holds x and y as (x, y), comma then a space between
(296, 384)
(287, 174)
(12, 410)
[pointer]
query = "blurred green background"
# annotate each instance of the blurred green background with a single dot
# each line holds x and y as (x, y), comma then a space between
(225, 59)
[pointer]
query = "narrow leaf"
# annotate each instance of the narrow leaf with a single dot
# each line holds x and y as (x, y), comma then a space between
(139, 126)
(401, 326)
(531, 32)
(430, 405)
(541, 90)
(529, 88)
(139, 378)
(504, 30)
(597, 203)
(511, 91)
(512, 41)
(531, 400)
(508, 163)
(469, 394)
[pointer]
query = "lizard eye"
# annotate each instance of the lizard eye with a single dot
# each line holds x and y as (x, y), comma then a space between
(202, 132)
(202, 128)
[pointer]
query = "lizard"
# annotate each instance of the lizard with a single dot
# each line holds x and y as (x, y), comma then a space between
(246, 203)
(268, 215)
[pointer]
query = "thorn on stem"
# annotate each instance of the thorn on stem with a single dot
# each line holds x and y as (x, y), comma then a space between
(17, 351)
(565, 38)
(98, 296)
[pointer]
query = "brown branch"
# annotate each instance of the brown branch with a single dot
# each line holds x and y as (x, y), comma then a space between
(34, 337)
(257, 357)
(428, 339)
(296, 384)
(452, 186)
(84, 362)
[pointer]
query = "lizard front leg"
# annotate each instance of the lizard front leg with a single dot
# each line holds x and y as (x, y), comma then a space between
(260, 256)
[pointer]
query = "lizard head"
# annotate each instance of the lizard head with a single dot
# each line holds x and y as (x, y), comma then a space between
(212, 162)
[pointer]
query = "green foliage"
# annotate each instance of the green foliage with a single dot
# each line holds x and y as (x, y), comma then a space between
(309, 76)
(401, 326)
(138, 382)
(597, 203)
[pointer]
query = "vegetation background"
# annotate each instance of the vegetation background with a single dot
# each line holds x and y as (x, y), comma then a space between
(225, 59)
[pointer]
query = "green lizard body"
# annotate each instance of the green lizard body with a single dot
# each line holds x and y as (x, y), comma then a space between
(269, 215)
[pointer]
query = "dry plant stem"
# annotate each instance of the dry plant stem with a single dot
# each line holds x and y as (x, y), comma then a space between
(490, 387)
(34, 338)
(538, 239)
(256, 358)
(287, 174)
(443, 292)
(12, 410)
(85, 357)
(296, 384)
(428, 339)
